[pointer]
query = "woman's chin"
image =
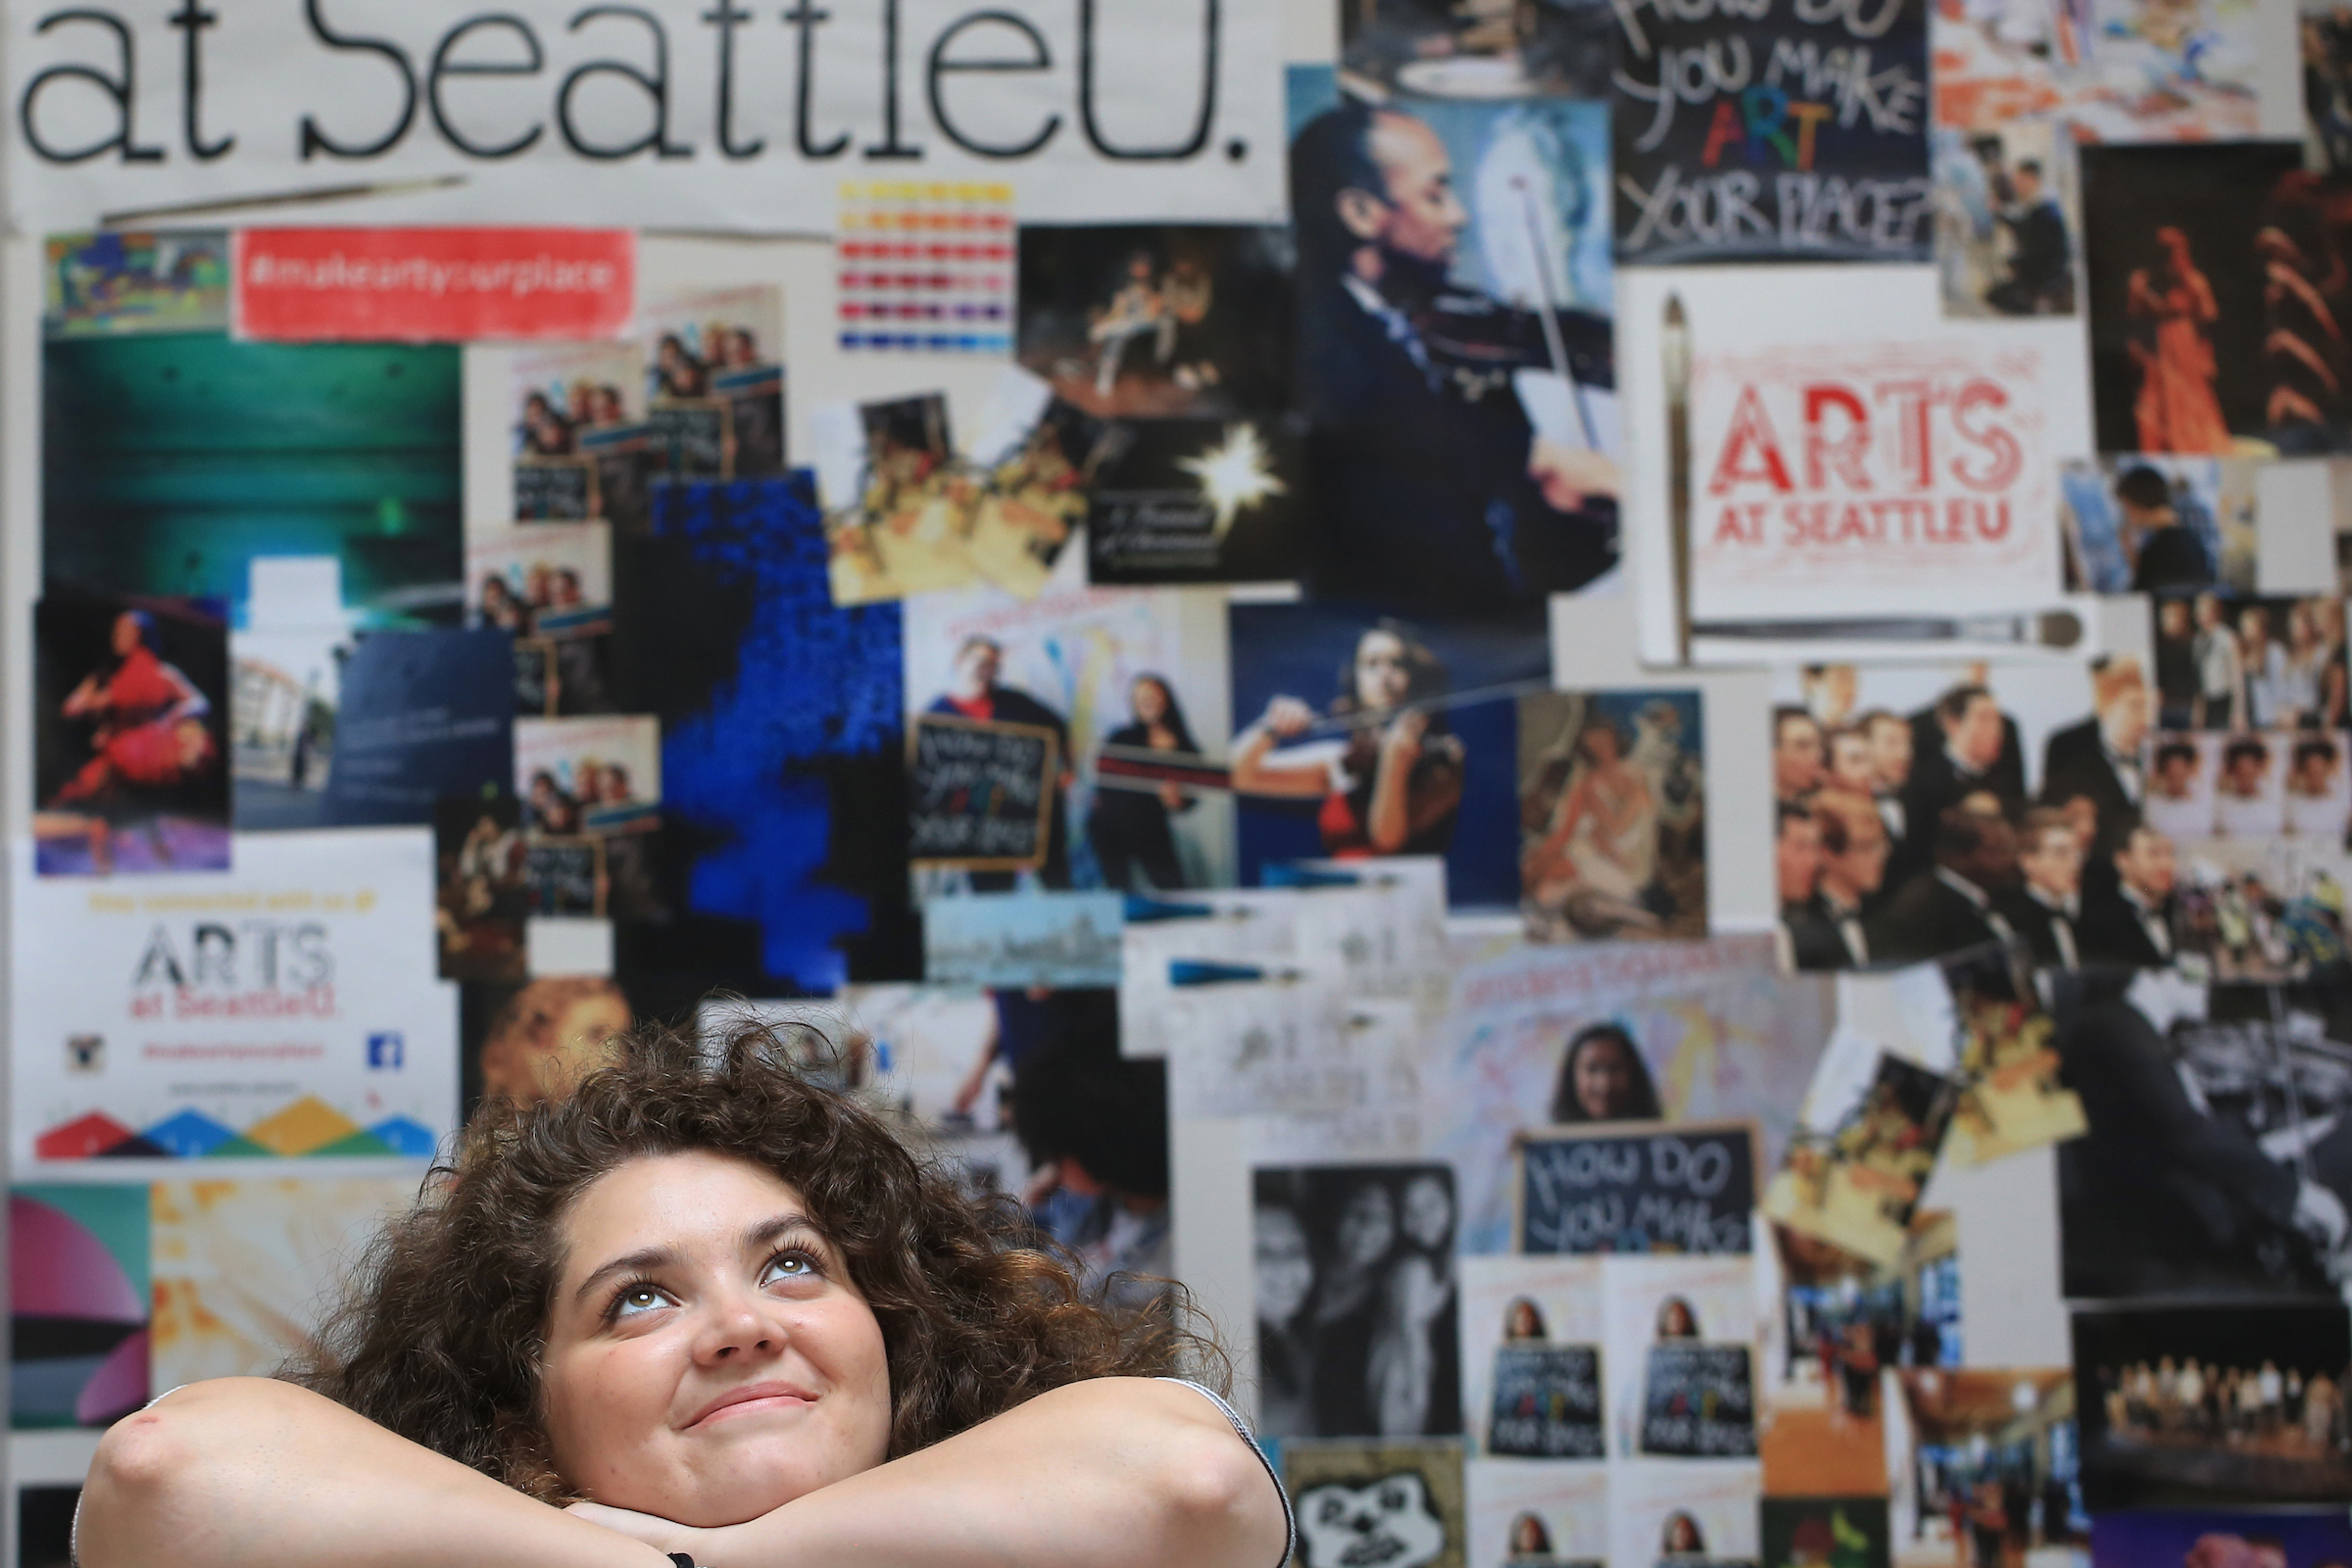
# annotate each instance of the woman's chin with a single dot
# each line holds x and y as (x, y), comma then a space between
(739, 1492)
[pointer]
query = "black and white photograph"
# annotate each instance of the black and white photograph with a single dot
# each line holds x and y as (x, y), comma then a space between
(2186, 1406)
(1357, 1301)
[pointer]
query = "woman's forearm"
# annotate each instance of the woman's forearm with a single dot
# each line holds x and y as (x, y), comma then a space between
(1113, 1473)
(249, 1473)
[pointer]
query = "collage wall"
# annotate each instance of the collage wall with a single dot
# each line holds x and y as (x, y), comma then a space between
(1647, 754)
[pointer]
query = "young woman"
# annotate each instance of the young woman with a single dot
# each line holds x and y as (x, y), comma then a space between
(1394, 786)
(1133, 831)
(1603, 1078)
(700, 1310)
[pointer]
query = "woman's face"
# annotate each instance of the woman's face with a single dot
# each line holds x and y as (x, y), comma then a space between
(1427, 1211)
(1603, 1078)
(1599, 743)
(1382, 678)
(1150, 702)
(1367, 1226)
(126, 635)
(1284, 1273)
(708, 1359)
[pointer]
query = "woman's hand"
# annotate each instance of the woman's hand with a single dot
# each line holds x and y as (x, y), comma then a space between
(1401, 740)
(1285, 716)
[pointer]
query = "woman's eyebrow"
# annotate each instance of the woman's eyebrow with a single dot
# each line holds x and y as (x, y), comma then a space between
(768, 1230)
(644, 1260)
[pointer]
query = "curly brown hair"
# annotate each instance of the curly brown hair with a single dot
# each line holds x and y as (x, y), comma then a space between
(441, 1336)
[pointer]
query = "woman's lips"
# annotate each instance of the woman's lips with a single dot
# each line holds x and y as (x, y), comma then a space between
(752, 1397)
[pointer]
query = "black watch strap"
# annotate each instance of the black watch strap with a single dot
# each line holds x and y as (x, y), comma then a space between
(681, 1559)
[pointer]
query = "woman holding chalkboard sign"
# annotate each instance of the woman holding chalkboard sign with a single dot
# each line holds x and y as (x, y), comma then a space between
(1603, 1078)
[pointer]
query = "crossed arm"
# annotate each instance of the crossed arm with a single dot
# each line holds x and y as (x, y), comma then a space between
(1112, 1473)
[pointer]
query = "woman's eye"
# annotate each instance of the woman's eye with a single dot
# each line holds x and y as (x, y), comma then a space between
(789, 1266)
(639, 1299)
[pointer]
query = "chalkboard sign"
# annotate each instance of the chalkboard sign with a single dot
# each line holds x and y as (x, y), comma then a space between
(555, 490)
(1546, 1403)
(1637, 1187)
(756, 401)
(1698, 1402)
(983, 793)
(697, 437)
(1748, 131)
(565, 876)
(535, 678)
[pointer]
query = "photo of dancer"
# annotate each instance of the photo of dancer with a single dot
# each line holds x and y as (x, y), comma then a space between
(2182, 1407)
(1357, 1311)
(1156, 322)
(1456, 366)
(1415, 749)
(2159, 524)
(129, 761)
(1612, 812)
(2180, 310)
(2258, 664)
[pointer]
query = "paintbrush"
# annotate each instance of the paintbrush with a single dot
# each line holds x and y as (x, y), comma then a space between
(1674, 357)
(2049, 628)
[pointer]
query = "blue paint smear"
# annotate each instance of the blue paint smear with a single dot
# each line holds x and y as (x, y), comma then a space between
(812, 681)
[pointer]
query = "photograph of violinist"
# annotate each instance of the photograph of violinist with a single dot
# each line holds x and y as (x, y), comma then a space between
(1478, 48)
(1159, 321)
(132, 700)
(1364, 735)
(1458, 362)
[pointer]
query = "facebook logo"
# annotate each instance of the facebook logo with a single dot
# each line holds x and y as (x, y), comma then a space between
(384, 1051)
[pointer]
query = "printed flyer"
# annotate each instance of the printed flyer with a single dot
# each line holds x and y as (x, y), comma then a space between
(289, 1008)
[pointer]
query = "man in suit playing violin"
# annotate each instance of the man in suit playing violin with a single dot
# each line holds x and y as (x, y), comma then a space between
(1435, 490)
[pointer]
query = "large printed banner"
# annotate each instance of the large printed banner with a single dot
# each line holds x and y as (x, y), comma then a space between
(288, 1008)
(665, 116)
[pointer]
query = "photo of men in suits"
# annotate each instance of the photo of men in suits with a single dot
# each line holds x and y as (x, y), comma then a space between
(2131, 923)
(1957, 901)
(2099, 758)
(1831, 928)
(2046, 906)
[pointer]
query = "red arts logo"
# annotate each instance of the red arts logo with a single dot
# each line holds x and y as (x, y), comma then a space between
(1831, 459)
